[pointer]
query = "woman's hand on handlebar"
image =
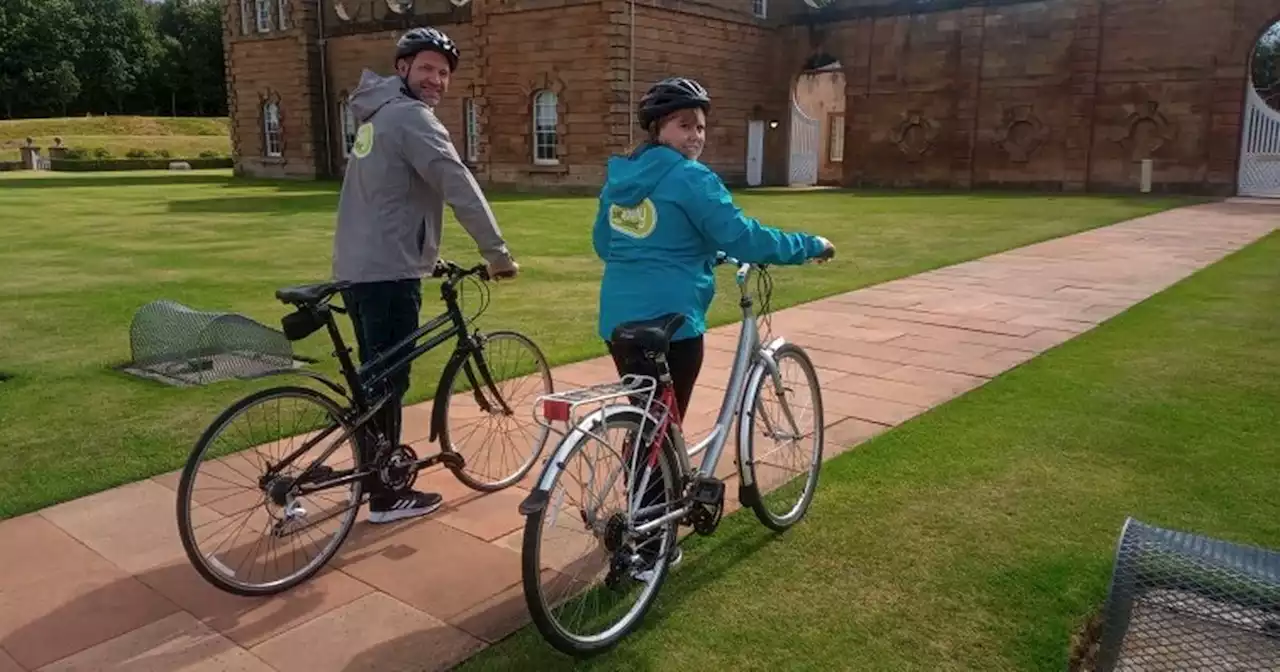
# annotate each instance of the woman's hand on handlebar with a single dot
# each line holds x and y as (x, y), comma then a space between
(828, 251)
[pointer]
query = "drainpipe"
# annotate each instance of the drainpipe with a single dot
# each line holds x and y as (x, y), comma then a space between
(324, 87)
(631, 78)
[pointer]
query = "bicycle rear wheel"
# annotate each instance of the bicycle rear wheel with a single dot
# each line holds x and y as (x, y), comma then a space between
(491, 426)
(782, 480)
(231, 518)
(579, 601)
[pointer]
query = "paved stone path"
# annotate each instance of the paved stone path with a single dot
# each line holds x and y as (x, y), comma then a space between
(102, 583)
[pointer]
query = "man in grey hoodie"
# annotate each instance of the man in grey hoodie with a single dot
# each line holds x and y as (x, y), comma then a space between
(403, 168)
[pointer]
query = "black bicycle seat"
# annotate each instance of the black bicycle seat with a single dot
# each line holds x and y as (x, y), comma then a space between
(651, 335)
(309, 294)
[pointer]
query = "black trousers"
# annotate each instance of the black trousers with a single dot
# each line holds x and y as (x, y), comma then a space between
(382, 314)
(684, 359)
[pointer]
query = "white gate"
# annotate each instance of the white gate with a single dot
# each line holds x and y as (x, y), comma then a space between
(806, 133)
(1259, 148)
(755, 152)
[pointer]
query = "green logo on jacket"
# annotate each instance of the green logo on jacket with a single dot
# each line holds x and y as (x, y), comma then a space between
(637, 222)
(364, 140)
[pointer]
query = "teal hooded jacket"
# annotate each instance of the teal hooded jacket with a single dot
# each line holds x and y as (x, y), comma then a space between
(661, 220)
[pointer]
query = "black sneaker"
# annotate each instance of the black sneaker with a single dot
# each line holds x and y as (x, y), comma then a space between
(399, 505)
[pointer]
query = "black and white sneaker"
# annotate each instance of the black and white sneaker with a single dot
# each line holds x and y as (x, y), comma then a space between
(399, 505)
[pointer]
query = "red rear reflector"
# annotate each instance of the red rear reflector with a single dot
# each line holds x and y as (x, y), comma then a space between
(556, 409)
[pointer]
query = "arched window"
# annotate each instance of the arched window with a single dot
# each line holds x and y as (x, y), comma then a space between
(282, 7)
(246, 15)
(545, 118)
(348, 126)
(271, 140)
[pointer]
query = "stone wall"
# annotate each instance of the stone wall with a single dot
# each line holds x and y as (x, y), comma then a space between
(277, 65)
(1057, 94)
(1054, 94)
(723, 46)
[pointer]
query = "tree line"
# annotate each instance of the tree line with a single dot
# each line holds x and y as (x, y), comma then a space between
(78, 57)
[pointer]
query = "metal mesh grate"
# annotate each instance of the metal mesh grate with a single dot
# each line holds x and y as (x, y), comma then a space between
(176, 345)
(1184, 602)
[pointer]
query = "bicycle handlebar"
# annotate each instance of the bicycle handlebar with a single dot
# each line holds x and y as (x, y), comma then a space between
(444, 267)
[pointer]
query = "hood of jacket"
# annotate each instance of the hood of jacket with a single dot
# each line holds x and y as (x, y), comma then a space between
(631, 179)
(373, 92)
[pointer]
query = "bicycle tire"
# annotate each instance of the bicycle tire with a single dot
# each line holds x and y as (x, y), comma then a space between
(186, 531)
(755, 388)
(531, 566)
(447, 380)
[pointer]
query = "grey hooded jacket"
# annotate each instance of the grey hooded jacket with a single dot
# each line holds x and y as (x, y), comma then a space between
(402, 170)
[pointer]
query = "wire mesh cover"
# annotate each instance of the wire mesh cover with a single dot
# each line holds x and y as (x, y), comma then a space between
(1184, 602)
(174, 344)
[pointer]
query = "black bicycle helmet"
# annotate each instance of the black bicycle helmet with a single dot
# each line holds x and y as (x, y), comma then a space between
(427, 39)
(669, 95)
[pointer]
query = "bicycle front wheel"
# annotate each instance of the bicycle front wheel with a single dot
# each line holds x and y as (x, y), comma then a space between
(253, 535)
(783, 434)
(488, 421)
(589, 576)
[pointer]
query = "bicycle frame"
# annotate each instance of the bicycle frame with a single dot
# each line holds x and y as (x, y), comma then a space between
(750, 355)
(363, 385)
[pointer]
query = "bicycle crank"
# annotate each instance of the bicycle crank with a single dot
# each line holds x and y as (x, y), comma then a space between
(398, 469)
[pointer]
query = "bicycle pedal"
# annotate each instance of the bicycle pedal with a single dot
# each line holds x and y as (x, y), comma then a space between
(708, 491)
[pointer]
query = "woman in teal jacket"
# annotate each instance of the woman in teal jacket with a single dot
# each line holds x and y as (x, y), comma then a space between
(662, 219)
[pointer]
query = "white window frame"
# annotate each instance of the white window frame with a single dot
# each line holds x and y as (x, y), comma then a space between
(272, 137)
(282, 8)
(760, 8)
(471, 121)
(546, 116)
(245, 17)
(835, 142)
(348, 127)
(262, 12)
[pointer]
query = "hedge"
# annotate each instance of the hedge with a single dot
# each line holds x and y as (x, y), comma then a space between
(83, 165)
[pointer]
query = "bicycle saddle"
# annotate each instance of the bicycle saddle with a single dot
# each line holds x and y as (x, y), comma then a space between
(651, 335)
(308, 294)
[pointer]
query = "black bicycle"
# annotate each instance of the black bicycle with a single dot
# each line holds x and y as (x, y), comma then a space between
(289, 497)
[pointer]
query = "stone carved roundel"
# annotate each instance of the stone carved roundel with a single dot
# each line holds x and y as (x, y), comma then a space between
(914, 134)
(400, 6)
(1022, 133)
(1146, 129)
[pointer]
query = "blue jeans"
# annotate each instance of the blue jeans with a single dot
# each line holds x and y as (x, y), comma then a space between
(382, 314)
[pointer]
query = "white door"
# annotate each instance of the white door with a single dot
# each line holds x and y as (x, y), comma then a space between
(755, 153)
(1259, 148)
(806, 133)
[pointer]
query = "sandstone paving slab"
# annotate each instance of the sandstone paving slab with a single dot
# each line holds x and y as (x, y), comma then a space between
(176, 643)
(250, 620)
(434, 567)
(58, 597)
(133, 526)
(376, 633)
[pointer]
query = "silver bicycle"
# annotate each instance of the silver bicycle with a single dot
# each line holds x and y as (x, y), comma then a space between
(586, 604)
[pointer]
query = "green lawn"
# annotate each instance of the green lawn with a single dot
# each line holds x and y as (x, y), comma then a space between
(80, 253)
(182, 137)
(979, 535)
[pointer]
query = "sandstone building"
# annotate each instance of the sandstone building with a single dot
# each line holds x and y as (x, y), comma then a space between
(1046, 94)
